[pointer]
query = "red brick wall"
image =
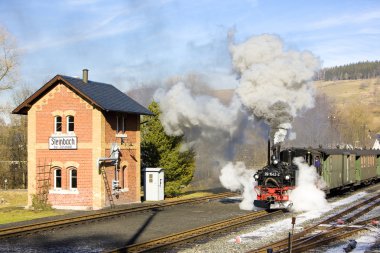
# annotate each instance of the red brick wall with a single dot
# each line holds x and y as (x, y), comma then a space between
(65, 100)
(128, 156)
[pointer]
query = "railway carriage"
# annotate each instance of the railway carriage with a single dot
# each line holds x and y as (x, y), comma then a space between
(339, 168)
(367, 162)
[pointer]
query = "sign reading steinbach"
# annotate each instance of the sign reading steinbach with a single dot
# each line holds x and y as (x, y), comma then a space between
(67, 142)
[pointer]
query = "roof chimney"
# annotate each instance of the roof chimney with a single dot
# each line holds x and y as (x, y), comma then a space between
(85, 75)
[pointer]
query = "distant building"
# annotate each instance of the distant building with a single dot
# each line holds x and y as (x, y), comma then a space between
(376, 145)
(88, 133)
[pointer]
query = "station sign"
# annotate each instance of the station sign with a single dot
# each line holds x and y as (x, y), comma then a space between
(66, 142)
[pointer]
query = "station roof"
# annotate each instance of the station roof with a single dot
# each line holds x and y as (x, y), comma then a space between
(104, 96)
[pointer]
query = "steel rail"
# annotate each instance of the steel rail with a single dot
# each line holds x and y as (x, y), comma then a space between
(337, 233)
(283, 243)
(192, 234)
(59, 223)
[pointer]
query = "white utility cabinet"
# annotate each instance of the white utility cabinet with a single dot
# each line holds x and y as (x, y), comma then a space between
(154, 184)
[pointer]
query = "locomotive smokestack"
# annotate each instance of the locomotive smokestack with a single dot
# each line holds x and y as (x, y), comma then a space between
(268, 151)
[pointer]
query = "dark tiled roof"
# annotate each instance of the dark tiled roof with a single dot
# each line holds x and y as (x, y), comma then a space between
(105, 96)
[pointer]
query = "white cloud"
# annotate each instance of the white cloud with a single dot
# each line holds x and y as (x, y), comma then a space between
(354, 18)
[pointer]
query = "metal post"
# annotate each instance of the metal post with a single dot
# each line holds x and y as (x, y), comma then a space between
(291, 235)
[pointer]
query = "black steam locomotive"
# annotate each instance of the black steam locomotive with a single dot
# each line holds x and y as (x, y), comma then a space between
(275, 182)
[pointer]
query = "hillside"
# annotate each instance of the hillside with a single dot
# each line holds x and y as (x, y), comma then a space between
(346, 92)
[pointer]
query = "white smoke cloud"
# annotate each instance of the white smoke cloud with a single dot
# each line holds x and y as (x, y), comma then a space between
(280, 134)
(202, 118)
(181, 111)
(237, 177)
(307, 195)
(274, 83)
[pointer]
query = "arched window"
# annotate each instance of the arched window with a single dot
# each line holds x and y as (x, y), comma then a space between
(57, 179)
(58, 124)
(73, 179)
(70, 123)
(124, 177)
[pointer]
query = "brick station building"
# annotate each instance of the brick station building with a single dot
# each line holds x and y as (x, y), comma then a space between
(83, 144)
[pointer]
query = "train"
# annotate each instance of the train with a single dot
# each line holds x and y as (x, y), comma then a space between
(339, 168)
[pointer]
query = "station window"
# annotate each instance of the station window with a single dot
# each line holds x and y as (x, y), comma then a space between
(70, 123)
(58, 179)
(124, 176)
(58, 124)
(73, 179)
(121, 124)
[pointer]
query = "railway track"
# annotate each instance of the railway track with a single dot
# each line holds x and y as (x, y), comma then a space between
(160, 244)
(101, 215)
(324, 232)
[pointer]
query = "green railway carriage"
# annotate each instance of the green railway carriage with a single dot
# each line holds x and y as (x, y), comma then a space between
(367, 165)
(338, 168)
(378, 164)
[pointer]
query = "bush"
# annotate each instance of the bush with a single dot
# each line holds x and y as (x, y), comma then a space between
(173, 189)
(39, 203)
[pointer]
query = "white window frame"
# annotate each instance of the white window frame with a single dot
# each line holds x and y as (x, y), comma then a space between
(68, 123)
(55, 179)
(71, 179)
(55, 124)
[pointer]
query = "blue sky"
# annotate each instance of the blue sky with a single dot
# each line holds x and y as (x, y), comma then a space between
(128, 43)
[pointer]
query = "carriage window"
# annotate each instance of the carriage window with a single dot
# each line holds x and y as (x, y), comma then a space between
(58, 179)
(70, 123)
(58, 124)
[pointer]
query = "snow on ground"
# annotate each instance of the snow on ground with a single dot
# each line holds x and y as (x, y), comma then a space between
(364, 242)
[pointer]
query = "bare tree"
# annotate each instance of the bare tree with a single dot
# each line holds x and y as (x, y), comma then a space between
(354, 125)
(8, 59)
(317, 126)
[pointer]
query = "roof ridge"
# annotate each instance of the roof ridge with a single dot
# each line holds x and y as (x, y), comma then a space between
(80, 79)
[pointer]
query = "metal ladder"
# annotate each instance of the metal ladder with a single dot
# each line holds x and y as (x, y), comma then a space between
(108, 189)
(43, 181)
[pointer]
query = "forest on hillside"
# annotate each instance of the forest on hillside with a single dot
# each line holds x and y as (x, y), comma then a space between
(352, 71)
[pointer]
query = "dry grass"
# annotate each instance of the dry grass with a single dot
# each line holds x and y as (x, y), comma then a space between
(12, 207)
(347, 92)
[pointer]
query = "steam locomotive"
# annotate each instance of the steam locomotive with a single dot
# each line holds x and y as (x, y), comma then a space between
(339, 168)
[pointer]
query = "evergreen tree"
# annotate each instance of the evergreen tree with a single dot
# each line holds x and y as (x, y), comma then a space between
(352, 71)
(159, 150)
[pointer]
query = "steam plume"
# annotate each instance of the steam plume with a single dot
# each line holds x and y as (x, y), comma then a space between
(203, 119)
(237, 177)
(274, 82)
(307, 195)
